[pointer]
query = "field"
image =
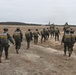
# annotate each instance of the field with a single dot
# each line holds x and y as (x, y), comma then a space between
(41, 59)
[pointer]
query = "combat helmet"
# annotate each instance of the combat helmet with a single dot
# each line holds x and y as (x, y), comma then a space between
(5, 29)
(43, 28)
(36, 29)
(56, 28)
(17, 28)
(47, 28)
(29, 29)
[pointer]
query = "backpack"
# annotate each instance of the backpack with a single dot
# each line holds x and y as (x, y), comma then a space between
(43, 33)
(16, 35)
(35, 33)
(67, 37)
(46, 32)
(27, 34)
(52, 30)
(3, 38)
(56, 31)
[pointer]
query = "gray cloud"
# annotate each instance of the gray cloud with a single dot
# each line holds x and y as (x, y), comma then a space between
(38, 11)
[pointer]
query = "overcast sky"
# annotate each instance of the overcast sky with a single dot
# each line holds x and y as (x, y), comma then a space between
(38, 11)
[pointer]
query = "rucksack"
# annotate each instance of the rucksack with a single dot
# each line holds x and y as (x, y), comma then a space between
(67, 37)
(35, 33)
(27, 34)
(52, 30)
(4, 38)
(56, 31)
(43, 33)
(16, 35)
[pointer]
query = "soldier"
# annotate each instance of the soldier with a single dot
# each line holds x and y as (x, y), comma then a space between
(31, 34)
(43, 35)
(66, 26)
(5, 37)
(28, 38)
(47, 33)
(57, 32)
(52, 32)
(67, 42)
(36, 33)
(18, 39)
(52, 27)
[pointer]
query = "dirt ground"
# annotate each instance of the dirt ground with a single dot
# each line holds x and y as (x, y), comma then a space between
(41, 59)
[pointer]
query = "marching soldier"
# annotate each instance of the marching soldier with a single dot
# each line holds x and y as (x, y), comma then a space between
(52, 28)
(28, 38)
(66, 26)
(57, 32)
(31, 34)
(5, 38)
(52, 32)
(43, 35)
(36, 33)
(47, 33)
(67, 42)
(18, 39)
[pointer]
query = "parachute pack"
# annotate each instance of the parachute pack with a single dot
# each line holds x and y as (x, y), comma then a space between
(56, 31)
(17, 35)
(27, 34)
(3, 38)
(67, 38)
(43, 33)
(35, 33)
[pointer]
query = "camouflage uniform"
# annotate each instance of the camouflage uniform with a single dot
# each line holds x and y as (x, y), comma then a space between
(5, 38)
(18, 39)
(47, 33)
(66, 26)
(52, 32)
(28, 38)
(43, 35)
(31, 34)
(52, 27)
(57, 32)
(36, 33)
(67, 42)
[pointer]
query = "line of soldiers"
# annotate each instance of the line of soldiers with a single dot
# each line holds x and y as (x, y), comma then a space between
(44, 33)
(18, 36)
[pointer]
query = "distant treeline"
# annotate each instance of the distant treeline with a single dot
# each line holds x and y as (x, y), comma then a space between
(27, 24)
(18, 23)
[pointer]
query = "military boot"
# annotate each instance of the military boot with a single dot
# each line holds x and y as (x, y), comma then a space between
(17, 51)
(6, 56)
